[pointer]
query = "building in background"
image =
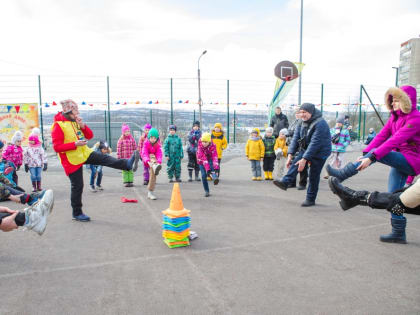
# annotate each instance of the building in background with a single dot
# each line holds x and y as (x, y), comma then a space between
(409, 69)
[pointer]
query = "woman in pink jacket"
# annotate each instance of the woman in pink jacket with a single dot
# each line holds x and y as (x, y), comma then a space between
(398, 146)
(151, 154)
(208, 161)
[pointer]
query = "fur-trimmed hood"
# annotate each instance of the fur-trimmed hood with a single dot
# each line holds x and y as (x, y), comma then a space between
(407, 96)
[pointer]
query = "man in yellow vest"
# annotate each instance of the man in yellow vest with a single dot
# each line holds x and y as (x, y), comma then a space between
(69, 137)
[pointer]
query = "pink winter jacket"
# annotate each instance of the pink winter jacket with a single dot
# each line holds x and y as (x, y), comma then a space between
(148, 149)
(205, 154)
(402, 131)
(13, 153)
(125, 147)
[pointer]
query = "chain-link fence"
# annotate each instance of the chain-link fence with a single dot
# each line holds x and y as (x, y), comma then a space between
(240, 105)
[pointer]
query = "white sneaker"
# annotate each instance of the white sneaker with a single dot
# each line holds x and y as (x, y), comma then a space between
(156, 168)
(99, 188)
(151, 196)
(36, 216)
(92, 189)
(47, 202)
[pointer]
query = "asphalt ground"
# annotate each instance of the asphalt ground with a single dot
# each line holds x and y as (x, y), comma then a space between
(258, 252)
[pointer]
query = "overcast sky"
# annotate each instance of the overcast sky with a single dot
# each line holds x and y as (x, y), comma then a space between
(345, 42)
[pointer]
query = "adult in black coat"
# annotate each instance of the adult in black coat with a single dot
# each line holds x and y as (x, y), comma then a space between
(278, 122)
(311, 143)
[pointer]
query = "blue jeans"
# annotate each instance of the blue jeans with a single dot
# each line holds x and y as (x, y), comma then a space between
(95, 169)
(256, 168)
(204, 176)
(400, 169)
(35, 173)
(314, 175)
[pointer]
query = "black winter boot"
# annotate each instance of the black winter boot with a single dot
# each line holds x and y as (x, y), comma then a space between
(343, 173)
(398, 232)
(349, 198)
(197, 178)
(190, 175)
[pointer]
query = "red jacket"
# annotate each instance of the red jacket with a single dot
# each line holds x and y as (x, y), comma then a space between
(60, 147)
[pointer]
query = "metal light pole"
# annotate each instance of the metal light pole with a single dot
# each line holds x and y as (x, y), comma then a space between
(396, 75)
(300, 53)
(200, 101)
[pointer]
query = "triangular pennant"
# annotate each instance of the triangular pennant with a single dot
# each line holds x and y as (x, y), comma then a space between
(54, 103)
(150, 102)
(17, 108)
(9, 107)
(83, 103)
(32, 108)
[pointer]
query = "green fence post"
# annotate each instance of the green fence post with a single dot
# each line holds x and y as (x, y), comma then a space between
(360, 113)
(194, 118)
(227, 114)
(40, 111)
(336, 115)
(151, 117)
(109, 112)
(172, 104)
(106, 130)
(364, 125)
(234, 126)
(322, 98)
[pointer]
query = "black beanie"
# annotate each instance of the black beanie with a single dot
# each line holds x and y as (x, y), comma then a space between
(196, 123)
(308, 107)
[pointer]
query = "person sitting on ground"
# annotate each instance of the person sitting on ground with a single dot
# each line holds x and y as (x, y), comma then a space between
(69, 137)
(9, 193)
(7, 170)
(396, 145)
(254, 151)
(402, 201)
(33, 218)
(371, 136)
(278, 121)
(311, 144)
(208, 161)
(152, 159)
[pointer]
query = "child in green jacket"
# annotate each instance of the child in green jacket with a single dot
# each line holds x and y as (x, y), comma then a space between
(173, 153)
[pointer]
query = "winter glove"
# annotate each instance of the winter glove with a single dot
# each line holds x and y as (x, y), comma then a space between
(26, 168)
(45, 167)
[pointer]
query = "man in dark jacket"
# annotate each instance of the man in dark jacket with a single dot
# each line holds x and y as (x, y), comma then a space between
(278, 122)
(311, 144)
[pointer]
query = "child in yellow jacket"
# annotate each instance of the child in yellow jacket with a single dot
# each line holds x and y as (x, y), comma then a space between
(254, 151)
(219, 139)
(280, 148)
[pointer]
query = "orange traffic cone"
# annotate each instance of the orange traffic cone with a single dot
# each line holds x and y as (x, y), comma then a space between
(176, 207)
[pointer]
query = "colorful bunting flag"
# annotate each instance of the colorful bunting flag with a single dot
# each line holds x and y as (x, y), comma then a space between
(54, 103)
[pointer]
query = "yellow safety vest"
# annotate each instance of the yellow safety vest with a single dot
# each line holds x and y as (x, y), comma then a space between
(72, 133)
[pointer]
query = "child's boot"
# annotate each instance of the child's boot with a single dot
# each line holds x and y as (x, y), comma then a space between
(151, 196)
(266, 177)
(178, 180)
(254, 178)
(270, 175)
(34, 186)
(190, 176)
(38, 186)
(171, 180)
(197, 178)
(259, 178)
(156, 169)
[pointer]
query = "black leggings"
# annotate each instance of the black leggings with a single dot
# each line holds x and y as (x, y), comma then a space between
(76, 178)
(385, 200)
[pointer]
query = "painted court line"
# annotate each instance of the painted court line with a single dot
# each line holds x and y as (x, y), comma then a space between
(195, 252)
